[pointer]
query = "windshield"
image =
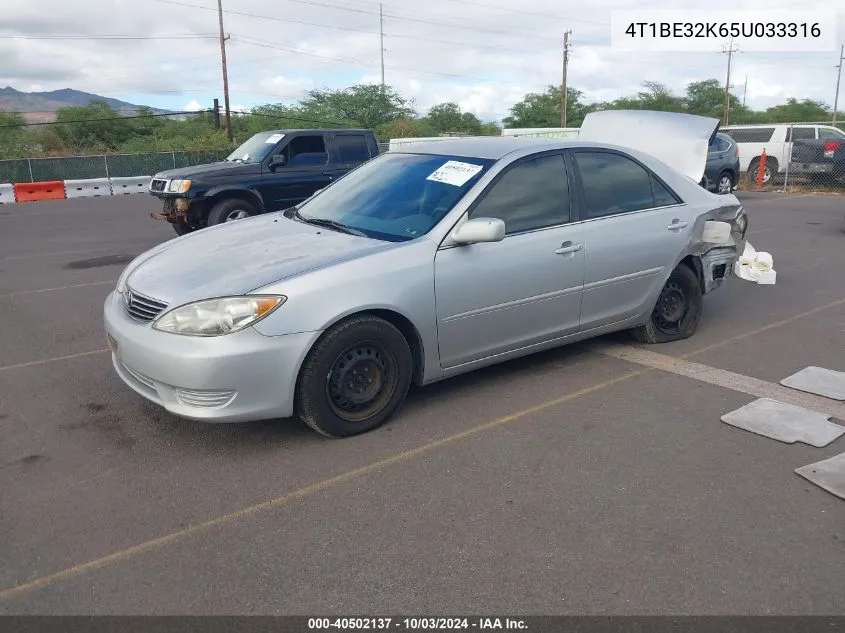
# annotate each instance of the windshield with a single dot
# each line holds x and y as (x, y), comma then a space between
(396, 196)
(256, 148)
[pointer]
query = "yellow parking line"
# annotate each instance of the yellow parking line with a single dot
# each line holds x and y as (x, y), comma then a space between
(301, 492)
(19, 293)
(53, 359)
(764, 328)
(167, 539)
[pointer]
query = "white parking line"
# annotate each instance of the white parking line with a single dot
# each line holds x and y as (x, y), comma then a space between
(55, 254)
(722, 378)
(32, 292)
(53, 359)
(779, 199)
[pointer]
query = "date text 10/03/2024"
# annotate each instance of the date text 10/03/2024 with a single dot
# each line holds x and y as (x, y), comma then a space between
(416, 624)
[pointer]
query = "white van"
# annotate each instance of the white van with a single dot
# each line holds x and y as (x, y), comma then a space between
(776, 139)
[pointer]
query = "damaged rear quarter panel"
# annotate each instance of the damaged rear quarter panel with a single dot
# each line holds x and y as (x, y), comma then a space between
(717, 260)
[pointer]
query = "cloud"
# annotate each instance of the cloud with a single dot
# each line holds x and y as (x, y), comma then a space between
(484, 55)
(193, 106)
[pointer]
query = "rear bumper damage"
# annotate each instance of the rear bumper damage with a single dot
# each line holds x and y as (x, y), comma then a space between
(717, 265)
(718, 258)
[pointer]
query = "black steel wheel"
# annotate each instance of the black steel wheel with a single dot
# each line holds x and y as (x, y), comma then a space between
(355, 377)
(361, 381)
(676, 312)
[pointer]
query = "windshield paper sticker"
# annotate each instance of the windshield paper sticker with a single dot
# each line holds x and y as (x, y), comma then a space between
(274, 138)
(455, 173)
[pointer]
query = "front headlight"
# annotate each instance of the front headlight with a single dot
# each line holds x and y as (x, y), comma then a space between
(178, 186)
(215, 317)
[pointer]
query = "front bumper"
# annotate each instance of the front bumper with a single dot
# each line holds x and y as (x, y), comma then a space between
(238, 377)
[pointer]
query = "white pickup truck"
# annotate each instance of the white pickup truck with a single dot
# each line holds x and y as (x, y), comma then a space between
(776, 139)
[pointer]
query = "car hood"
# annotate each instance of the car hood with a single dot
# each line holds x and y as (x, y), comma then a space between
(204, 170)
(679, 140)
(238, 257)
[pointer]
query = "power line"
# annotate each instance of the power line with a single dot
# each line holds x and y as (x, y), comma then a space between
(358, 62)
(186, 36)
(395, 17)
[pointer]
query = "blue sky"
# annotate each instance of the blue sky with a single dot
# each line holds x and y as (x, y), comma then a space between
(483, 54)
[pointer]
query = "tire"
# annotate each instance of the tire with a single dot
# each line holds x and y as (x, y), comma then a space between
(668, 322)
(768, 173)
(333, 393)
(725, 183)
(229, 210)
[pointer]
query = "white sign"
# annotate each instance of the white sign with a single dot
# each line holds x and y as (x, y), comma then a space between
(455, 173)
(274, 138)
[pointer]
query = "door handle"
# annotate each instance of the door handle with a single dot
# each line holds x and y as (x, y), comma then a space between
(568, 247)
(677, 225)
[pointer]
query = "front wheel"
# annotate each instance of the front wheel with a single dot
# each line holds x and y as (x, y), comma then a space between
(230, 210)
(355, 378)
(677, 312)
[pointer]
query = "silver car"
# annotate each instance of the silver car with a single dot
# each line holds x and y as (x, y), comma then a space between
(423, 264)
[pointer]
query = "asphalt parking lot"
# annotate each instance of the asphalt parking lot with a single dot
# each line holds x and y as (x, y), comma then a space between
(570, 482)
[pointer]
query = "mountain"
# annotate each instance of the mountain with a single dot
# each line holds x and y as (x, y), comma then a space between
(41, 106)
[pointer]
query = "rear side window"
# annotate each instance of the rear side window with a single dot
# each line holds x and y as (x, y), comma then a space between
(751, 134)
(800, 133)
(352, 148)
(828, 134)
(718, 145)
(615, 184)
(662, 196)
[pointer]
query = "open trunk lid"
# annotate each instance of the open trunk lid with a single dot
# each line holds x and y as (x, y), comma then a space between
(679, 140)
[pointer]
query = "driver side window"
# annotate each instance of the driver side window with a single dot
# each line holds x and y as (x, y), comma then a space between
(305, 151)
(533, 194)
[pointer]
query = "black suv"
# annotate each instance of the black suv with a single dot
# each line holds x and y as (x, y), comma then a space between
(271, 171)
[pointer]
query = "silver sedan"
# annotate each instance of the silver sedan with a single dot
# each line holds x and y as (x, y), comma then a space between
(427, 263)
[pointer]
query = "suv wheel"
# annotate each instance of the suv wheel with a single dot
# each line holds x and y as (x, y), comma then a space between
(230, 210)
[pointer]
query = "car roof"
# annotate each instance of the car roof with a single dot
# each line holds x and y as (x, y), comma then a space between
(495, 147)
(315, 130)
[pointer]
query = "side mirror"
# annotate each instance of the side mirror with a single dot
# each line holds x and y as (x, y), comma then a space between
(278, 160)
(479, 230)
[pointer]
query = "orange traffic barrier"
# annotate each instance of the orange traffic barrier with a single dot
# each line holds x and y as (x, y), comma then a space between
(761, 170)
(37, 191)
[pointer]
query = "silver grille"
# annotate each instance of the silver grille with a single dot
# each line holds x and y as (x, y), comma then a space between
(142, 308)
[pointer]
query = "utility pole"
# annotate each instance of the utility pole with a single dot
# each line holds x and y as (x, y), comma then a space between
(223, 39)
(730, 51)
(381, 42)
(745, 91)
(564, 96)
(838, 78)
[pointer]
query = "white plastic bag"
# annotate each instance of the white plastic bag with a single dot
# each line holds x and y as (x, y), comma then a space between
(755, 266)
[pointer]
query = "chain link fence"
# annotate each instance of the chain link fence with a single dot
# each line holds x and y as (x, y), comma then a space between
(101, 166)
(106, 165)
(806, 156)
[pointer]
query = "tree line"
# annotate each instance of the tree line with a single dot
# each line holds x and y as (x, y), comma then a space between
(96, 128)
